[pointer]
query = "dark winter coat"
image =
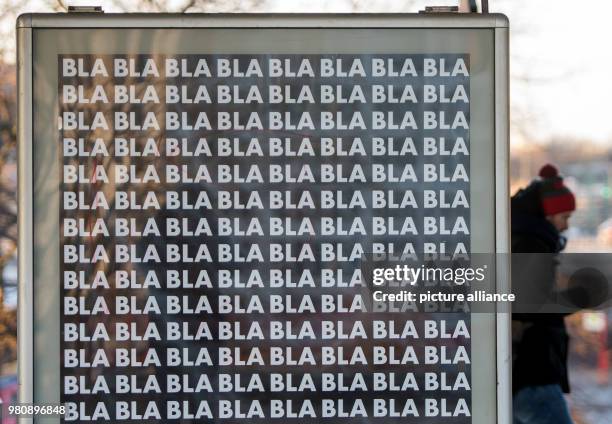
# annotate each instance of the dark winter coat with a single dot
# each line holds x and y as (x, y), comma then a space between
(540, 340)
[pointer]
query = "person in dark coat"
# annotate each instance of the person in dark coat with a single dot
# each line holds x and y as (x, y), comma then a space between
(540, 213)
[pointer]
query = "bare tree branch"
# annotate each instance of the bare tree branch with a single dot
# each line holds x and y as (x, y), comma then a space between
(57, 5)
(184, 8)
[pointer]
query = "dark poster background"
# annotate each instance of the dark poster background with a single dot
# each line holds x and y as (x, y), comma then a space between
(152, 368)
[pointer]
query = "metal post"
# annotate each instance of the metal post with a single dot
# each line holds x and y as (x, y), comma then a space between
(25, 223)
(470, 6)
(464, 6)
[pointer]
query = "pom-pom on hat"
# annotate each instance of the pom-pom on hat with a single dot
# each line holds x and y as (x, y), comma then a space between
(556, 197)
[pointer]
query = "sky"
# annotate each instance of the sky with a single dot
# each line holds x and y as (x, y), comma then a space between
(564, 48)
(561, 61)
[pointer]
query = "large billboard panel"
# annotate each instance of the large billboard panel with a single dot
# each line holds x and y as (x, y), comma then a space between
(209, 197)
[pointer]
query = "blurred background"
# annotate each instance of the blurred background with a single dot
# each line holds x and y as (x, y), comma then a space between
(561, 113)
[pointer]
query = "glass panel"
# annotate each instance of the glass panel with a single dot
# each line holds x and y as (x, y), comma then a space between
(206, 200)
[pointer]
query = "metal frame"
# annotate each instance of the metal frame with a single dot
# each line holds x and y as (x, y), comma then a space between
(27, 22)
(502, 224)
(284, 20)
(25, 222)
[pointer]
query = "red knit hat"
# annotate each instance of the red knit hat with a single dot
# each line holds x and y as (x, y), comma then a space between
(556, 197)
